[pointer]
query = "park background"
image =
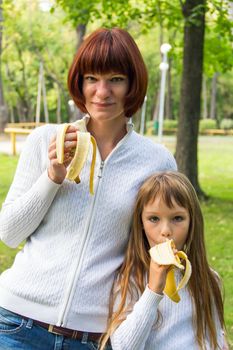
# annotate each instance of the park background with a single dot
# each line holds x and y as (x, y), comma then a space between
(38, 40)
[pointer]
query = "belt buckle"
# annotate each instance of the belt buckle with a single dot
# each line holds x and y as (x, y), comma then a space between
(50, 330)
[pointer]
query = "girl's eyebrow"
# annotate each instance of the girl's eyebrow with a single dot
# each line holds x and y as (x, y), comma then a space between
(180, 211)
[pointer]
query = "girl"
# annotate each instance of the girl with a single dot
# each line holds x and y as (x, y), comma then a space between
(141, 316)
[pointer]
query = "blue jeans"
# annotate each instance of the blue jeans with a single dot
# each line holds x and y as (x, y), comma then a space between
(19, 333)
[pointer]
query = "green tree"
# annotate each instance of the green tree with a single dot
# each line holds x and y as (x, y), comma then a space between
(3, 110)
(35, 36)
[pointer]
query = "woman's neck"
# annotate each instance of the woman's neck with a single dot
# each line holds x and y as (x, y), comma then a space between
(107, 134)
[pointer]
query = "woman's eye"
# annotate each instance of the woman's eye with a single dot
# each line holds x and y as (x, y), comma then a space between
(117, 79)
(90, 78)
(178, 218)
(153, 219)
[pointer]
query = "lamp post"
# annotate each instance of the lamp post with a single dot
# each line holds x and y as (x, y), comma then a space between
(165, 48)
(143, 115)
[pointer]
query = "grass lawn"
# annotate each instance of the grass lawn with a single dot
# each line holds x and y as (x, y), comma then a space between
(216, 179)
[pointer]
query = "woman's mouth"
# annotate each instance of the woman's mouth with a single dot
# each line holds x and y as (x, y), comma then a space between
(103, 105)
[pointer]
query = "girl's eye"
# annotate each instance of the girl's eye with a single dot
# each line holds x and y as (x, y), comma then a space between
(153, 219)
(178, 218)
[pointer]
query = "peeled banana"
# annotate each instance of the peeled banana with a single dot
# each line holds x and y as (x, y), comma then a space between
(163, 254)
(84, 139)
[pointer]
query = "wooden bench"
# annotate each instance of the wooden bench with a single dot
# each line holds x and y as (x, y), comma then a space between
(14, 129)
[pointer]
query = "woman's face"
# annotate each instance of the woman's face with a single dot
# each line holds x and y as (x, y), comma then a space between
(105, 95)
(161, 222)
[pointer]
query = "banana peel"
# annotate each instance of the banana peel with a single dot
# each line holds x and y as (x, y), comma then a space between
(163, 254)
(84, 140)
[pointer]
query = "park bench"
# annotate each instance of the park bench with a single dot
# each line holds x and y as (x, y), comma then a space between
(14, 129)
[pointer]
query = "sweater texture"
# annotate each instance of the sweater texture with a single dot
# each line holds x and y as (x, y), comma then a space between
(74, 241)
(174, 329)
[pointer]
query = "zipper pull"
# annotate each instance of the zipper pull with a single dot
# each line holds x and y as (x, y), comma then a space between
(101, 169)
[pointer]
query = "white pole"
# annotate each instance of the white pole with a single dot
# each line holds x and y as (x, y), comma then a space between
(46, 113)
(39, 94)
(165, 48)
(143, 115)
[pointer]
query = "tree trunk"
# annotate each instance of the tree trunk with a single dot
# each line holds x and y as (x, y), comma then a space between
(213, 96)
(190, 99)
(3, 109)
(204, 97)
(81, 31)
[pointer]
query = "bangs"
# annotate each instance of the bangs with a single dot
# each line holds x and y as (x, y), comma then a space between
(170, 192)
(109, 51)
(105, 55)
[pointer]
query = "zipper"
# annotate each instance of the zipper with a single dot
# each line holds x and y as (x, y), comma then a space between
(101, 169)
(70, 290)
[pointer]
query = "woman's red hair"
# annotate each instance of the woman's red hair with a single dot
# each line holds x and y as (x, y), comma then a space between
(109, 50)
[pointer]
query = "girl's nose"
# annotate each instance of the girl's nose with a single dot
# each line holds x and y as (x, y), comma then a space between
(166, 230)
(103, 89)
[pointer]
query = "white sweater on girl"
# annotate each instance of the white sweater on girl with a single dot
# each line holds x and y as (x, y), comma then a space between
(74, 241)
(174, 331)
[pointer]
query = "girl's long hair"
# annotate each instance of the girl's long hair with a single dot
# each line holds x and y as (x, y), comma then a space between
(131, 278)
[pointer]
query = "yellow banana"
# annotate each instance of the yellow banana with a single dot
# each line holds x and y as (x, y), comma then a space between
(84, 139)
(163, 254)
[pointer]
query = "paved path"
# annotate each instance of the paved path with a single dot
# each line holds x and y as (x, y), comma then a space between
(5, 144)
(168, 141)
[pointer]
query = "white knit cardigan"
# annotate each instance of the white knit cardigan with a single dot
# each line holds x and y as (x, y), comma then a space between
(74, 241)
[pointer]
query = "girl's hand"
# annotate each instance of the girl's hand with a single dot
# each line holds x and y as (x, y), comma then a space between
(57, 172)
(157, 277)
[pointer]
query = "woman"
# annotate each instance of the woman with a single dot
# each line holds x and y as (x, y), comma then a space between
(58, 287)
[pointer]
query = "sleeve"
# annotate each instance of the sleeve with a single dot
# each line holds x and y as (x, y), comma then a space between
(170, 162)
(134, 331)
(31, 192)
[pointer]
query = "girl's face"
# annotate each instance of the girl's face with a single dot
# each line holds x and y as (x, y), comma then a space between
(161, 222)
(105, 95)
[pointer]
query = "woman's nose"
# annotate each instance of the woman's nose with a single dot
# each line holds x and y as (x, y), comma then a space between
(103, 89)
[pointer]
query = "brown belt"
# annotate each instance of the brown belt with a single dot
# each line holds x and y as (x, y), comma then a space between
(70, 333)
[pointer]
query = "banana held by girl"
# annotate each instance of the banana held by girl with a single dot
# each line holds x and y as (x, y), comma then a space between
(163, 254)
(84, 140)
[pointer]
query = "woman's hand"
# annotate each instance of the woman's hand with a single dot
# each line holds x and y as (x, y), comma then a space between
(57, 172)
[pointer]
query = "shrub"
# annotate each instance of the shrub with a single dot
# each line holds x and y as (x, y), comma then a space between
(170, 124)
(206, 124)
(226, 124)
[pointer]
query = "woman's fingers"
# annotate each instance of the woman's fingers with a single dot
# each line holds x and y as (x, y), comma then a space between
(71, 136)
(71, 129)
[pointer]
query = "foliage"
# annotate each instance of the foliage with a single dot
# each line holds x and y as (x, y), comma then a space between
(226, 124)
(170, 124)
(34, 36)
(206, 124)
(37, 35)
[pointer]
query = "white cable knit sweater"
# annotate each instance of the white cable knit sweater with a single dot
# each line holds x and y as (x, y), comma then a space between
(74, 241)
(174, 331)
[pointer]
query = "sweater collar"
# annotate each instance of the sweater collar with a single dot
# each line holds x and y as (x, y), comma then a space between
(129, 123)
